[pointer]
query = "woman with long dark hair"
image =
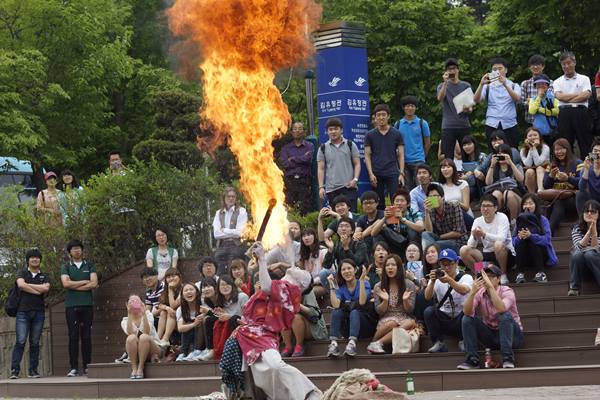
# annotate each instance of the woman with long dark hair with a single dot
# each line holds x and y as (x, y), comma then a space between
(563, 175)
(502, 166)
(190, 316)
(228, 310)
(532, 239)
(349, 317)
(585, 254)
(312, 255)
(394, 302)
(456, 189)
(471, 159)
(170, 300)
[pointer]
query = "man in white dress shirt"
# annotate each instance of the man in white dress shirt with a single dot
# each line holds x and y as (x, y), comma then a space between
(228, 225)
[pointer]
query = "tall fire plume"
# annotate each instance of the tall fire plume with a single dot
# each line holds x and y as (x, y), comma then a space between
(243, 43)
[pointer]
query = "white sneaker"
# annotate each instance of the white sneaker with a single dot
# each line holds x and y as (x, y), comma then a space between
(181, 357)
(200, 354)
(72, 373)
(375, 348)
(520, 278)
(209, 355)
(193, 355)
(504, 279)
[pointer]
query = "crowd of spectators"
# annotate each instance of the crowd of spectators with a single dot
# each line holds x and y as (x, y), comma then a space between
(417, 258)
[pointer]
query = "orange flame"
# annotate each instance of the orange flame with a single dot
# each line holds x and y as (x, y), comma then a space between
(244, 42)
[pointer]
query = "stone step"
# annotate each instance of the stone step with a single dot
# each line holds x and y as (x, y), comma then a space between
(438, 380)
(533, 357)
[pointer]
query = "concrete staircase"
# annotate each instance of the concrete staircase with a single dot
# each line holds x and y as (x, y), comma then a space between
(558, 350)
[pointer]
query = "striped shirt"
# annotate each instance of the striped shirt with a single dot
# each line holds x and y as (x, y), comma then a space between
(153, 295)
(577, 237)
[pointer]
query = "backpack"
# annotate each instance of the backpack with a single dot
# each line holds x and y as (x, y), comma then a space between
(397, 126)
(545, 123)
(322, 147)
(12, 301)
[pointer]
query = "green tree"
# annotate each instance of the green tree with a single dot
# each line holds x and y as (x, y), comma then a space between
(177, 124)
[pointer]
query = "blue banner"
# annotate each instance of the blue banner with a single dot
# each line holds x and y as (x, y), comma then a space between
(343, 92)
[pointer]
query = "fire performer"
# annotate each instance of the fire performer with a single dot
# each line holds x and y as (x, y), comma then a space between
(268, 312)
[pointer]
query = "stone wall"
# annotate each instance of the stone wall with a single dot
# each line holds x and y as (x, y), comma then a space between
(7, 341)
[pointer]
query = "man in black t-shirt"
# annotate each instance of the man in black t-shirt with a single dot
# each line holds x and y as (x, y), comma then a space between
(33, 284)
(384, 155)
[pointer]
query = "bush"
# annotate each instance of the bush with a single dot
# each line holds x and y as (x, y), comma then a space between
(115, 216)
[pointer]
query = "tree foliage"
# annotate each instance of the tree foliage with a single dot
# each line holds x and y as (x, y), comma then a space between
(94, 94)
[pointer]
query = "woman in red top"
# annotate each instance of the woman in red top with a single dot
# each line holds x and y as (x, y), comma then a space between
(269, 311)
(238, 270)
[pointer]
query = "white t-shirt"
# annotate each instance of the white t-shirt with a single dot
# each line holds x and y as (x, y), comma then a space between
(138, 329)
(454, 192)
(314, 265)
(497, 230)
(574, 85)
(179, 314)
(440, 289)
(236, 308)
(163, 260)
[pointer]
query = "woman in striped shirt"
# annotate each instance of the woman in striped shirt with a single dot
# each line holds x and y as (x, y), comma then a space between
(585, 247)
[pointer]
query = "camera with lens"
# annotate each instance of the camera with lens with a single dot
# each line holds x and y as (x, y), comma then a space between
(438, 273)
(594, 156)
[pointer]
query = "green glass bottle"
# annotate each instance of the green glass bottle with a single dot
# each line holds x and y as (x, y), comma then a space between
(410, 384)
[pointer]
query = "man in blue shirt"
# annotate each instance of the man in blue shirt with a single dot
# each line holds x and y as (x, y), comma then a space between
(502, 96)
(416, 134)
(384, 155)
(418, 194)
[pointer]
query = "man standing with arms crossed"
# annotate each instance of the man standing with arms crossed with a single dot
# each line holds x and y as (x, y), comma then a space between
(79, 278)
(573, 91)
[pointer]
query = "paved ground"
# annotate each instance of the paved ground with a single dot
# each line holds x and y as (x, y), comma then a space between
(537, 393)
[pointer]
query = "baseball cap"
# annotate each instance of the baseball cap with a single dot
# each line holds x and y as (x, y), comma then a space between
(542, 79)
(494, 269)
(450, 61)
(448, 254)
(49, 175)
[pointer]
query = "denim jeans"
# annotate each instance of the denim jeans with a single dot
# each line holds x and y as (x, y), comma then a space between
(507, 337)
(386, 184)
(354, 324)
(580, 261)
(428, 238)
(79, 325)
(439, 324)
(323, 274)
(188, 341)
(28, 323)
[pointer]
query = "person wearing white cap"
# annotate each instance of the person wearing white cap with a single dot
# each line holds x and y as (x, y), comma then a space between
(450, 287)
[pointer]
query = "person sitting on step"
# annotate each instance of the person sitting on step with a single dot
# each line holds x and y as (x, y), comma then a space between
(350, 298)
(170, 300)
(492, 318)
(450, 287)
(308, 324)
(585, 243)
(532, 240)
(190, 316)
(492, 232)
(142, 342)
(394, 302)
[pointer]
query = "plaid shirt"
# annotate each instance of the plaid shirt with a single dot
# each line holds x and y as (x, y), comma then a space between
(527, 92)
(451, 220)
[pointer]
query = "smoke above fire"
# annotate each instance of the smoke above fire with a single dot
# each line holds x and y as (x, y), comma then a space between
(243, 43)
